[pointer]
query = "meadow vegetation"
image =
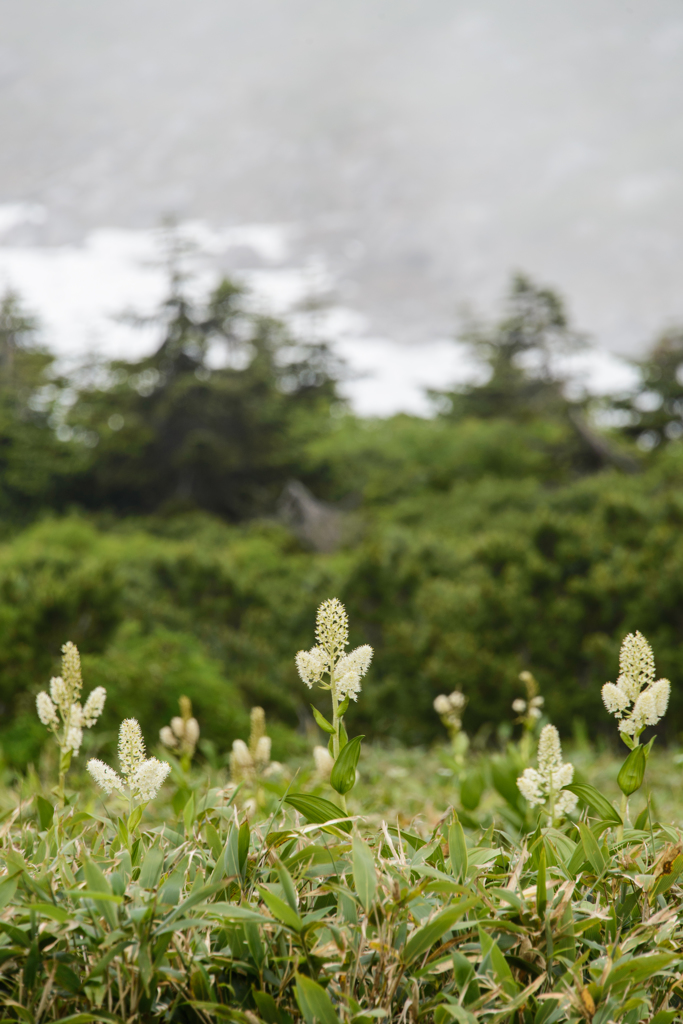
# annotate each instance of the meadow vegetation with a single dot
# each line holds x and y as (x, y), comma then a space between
(435, 824)
(276, 895)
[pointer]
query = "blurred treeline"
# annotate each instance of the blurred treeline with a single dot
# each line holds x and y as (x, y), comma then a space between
(181, 523)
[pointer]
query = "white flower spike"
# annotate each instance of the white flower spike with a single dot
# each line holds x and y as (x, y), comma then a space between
(344, 669)
(544, 786)
(636, 700)
(61, 712)
(143, 777)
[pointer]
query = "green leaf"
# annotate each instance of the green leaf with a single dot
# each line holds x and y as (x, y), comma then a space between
(150, 871)
(99, 885)
(499, 965)
(364, 874)
(343, 775)
(596, 801)
(541, 886)
(471, 789)
(664, 1017)
(457, 849)
(453, 1011)
(343, 707)
(424, 938)
(288, 887)
(317, 810)
(243, 838)
(49, 910)
(188, 814)
(267, 1007)
(213, 839)
(591, 849)
(134, 819)
(315, 1004)
(322, 721)
(665, 881)
(638, 969)
(45, 812)
(8, 887)
(281, 910)
(632, 771)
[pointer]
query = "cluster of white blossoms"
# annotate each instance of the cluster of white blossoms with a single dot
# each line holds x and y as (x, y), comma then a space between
(450, 709)
(182, 734)
(545, 785)
(142, 776)
(248, 762)
(636, 699)
(328, 657)
(62, 706)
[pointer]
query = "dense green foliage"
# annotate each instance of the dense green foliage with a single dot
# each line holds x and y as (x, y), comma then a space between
(266, 900)
(140, 520)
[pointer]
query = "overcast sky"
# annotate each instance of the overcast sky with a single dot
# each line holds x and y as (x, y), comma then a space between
(423, 148)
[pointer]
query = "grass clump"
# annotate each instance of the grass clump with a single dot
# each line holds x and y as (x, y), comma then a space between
(278, 896)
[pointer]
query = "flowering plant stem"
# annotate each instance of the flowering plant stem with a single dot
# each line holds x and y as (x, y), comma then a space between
(64, 765)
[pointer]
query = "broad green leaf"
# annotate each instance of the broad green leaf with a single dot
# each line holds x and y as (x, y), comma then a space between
(281, 910)
(343, 774)
(457, 849)
(424, 938)
(58, 914)
(8, 887)
(267, 1007)
(639, 969)
(322, 721)
(99, 885)
(135, 819)
(317, 810)
(632, 771)
(45, 812)
(314, 1002)
(453, 1011)
(150, 871)
(364, 874)
(596, 801)
(499, 965)
(591, 849)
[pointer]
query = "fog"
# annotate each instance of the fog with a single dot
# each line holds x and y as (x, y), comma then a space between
(420, 150)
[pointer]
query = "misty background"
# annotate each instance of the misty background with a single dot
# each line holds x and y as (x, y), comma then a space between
(399, 158)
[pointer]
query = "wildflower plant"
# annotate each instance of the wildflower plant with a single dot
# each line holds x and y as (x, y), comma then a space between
(529, 713)
(329, 666)
(544, 786)
(450, 708)
(182, 735)
(141, 777)
(636, 700)
(61, 711)
(250, 762)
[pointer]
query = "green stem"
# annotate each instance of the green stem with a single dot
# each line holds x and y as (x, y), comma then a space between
(336, 721)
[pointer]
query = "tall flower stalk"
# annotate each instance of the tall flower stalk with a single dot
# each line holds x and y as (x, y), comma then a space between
(60, 710)
(636, 700)
(329, 666)
(544, 786)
